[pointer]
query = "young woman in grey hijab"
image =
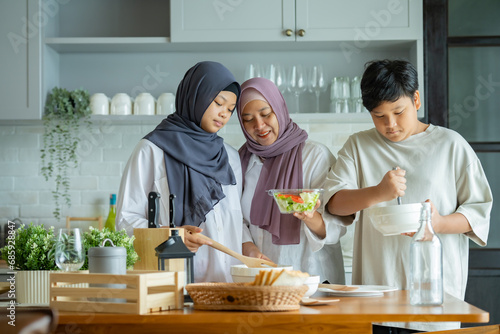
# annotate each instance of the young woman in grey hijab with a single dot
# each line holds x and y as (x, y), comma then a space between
(185, 156)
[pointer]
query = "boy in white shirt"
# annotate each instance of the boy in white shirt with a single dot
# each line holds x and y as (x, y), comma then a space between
(435, 164)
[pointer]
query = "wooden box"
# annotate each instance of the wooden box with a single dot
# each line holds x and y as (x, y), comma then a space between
(146, 240)
(145, 291)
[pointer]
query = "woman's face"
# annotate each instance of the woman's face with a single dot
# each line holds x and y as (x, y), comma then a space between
(218, 112)
(260, 121)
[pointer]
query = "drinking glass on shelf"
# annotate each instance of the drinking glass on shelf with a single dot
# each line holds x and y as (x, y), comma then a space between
(339, 95)
(252, 71)
(356, 100)
(356, 88)
(270, 72)
(280, 78)
(70, 253)
(297, 83)
(341, 106)
(340, 88)
(276, 73)
(317, 84)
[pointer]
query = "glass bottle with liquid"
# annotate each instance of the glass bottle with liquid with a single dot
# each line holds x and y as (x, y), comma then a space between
(426, 263)
(110, 221)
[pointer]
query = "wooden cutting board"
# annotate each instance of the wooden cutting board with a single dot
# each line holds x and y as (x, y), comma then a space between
(146, 240)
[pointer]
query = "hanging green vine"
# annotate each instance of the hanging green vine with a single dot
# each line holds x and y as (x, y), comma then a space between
(65, 111)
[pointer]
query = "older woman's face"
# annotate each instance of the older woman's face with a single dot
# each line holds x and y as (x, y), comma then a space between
(260, 121)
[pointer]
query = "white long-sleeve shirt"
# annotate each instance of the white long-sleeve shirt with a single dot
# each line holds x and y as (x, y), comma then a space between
(441, 166)
(316, 256)
(145, 172)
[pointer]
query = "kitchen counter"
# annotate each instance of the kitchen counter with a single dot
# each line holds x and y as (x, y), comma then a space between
(350, 314)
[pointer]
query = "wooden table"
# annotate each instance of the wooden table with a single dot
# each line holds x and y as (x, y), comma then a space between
(349, 315)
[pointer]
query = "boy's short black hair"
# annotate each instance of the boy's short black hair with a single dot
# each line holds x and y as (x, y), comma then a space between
(387, 80)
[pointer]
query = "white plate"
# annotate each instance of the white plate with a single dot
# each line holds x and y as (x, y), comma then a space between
(364, 290)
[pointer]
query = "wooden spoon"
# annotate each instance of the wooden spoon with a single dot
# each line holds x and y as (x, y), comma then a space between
(338, 287)
(251, 262)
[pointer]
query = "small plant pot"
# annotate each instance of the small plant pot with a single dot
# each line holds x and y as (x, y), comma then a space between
(33, 286)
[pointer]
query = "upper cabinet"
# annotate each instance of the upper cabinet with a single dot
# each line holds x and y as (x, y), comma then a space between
(232, 20)
(20, 64)
(295, 20)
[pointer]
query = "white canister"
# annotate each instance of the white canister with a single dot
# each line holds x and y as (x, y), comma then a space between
(144, 104)
(121, 105)
(99, 104)
(165, 104)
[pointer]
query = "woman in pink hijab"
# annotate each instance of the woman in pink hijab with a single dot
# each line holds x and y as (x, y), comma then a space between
(277, 155)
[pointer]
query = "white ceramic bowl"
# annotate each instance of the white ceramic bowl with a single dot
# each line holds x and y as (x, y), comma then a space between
(242, 274)
(395, 219)
(312, 283)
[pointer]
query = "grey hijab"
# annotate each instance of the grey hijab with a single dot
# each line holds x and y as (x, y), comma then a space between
(196, 161)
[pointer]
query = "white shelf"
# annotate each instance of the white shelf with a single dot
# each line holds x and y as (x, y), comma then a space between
(302, 118)
(108, 44)
(164, 44)
(331, 117)
(361, 118)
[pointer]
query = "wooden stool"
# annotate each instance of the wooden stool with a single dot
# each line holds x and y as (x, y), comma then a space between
(98, 219)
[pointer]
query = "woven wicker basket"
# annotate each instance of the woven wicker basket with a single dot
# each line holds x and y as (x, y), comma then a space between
(244, 297)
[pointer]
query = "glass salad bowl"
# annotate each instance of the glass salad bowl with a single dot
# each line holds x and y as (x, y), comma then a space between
(296, 200)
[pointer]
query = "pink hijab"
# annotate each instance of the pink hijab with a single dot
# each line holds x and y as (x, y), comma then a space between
(282, 165)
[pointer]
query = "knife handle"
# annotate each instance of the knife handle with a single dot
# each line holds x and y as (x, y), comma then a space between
(152, 209)
(171, 211)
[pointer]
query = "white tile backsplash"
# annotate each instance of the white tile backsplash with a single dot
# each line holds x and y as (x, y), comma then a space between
(8, 154)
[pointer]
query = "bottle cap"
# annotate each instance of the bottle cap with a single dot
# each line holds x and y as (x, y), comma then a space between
(112, 199)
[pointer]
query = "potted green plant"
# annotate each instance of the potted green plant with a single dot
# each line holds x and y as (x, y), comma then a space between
(32, 256)
(65, 112)
(94, 237)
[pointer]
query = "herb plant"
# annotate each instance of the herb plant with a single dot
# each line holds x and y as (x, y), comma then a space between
(34, 248)
(65, 111)
(94, 237)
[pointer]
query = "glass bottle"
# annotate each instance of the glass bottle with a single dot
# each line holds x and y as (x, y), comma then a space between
(110, 221)
(426, 263)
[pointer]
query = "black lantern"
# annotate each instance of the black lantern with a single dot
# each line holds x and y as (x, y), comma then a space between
(174, 248)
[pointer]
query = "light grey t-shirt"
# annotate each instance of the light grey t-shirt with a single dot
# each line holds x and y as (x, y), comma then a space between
(441, 166)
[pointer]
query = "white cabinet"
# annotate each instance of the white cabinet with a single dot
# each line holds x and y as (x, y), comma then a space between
(20, 78)
(295, 20)
(360, 21)
(232, 20)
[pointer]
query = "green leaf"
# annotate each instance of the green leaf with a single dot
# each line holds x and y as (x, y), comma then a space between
(65, 112)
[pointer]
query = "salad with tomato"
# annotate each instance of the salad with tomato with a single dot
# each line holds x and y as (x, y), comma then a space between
(295, 200)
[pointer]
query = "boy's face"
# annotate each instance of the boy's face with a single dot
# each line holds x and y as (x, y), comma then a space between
(397, 120)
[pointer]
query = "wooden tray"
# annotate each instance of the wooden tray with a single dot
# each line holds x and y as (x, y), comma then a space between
(142, 292)
(244, 297)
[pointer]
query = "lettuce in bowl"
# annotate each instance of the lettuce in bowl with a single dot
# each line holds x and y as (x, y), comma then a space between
(295, 200)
